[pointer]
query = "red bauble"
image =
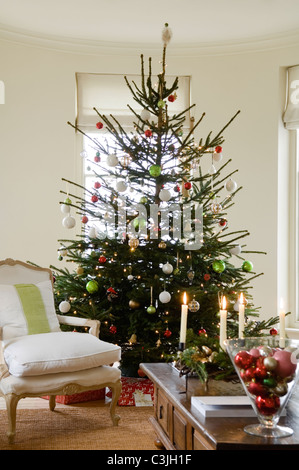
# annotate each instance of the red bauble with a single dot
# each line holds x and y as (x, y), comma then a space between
(218, 149)
(207, 277)
(260, 372)
(248, 374)
(99, 125)
(256, 389)
(222, 222)
(167, 333)
(177, 188)
(102, 259)
(285, 366)
(243, 359)
(148, 133)
(97, 159)
(202, 331)
(113, 329)
(273, 331)
(267, 405)
(187, 185)
(141, 373)
(94, 198)
(97, 185)
(171, 98)
(84, 219)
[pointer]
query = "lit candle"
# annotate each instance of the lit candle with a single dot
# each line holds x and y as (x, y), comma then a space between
(184, 314)
(223, 319)
(241, 316)
(282, 327)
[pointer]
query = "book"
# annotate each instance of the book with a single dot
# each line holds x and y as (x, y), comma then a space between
(223, 406)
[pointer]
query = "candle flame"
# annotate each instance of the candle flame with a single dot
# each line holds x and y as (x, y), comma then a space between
(185, 298)
(241, 298)
(223, 303)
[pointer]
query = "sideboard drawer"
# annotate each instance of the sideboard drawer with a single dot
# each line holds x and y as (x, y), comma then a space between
(163, 411)
(179, 431)
(200, 443)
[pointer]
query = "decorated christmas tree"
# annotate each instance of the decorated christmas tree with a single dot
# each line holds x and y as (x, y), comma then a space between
(158, 238)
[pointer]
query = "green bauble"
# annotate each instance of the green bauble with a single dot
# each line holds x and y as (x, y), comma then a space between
(161, 104)
(92, 287)
(177, 272)
(155, 170)
(270, 382)
(139, 222)
(143, 200)
(247, 266)
(218, 266)
(151, 309)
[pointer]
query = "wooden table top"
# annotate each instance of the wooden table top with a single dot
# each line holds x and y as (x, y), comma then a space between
(222, 433)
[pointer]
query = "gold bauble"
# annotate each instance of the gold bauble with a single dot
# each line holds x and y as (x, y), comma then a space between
(162, 245)
(133, 242)
(134, 304)
(80, 270)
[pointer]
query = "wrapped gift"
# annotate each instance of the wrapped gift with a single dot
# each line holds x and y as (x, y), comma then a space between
(90, 395)
(135, 392)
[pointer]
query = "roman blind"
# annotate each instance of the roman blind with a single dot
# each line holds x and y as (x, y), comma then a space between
(111, 95)
(291, 114)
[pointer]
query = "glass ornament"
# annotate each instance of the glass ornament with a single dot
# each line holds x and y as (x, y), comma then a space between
(268, 375)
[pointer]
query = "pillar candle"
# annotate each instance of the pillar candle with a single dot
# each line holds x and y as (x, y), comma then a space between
(241, 316)
(282, 331)
(184, 314)
(223, 320)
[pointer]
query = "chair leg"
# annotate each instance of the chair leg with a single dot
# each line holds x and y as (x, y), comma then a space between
(116, 390)
(11, 406)
(52, 402)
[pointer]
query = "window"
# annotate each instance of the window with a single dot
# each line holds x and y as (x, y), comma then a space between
(111, 96)
(291, 121)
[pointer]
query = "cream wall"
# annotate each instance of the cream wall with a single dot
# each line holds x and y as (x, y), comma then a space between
(37, 148)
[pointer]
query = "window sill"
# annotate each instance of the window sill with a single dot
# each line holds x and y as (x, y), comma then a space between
(292, 333)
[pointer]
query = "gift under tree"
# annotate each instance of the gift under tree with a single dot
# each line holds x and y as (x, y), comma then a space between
(133, 264)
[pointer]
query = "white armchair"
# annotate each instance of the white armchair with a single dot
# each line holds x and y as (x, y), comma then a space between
(36, 357)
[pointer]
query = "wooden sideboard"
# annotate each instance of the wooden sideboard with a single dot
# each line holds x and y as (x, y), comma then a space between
(179, 427)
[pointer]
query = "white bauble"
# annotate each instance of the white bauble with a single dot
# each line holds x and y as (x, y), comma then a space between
(167, 268)
(236, 250)
(165, 297)
(65, 208)
(64, 306)
(231, 186)
(112, 160)
(236, 306)
(145, 115)
(164, 195)
(121, 186)
(83, 154)
(212, 170)
(92, 232)
(130, 277)
(217, 157)
(69, 222)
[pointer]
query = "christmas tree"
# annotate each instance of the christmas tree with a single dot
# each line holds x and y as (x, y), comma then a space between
(164, 233)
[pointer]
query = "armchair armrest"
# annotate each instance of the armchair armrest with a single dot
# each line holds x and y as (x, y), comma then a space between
(93, 325)
(3, 367)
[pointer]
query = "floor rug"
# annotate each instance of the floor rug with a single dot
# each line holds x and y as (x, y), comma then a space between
(80, 428)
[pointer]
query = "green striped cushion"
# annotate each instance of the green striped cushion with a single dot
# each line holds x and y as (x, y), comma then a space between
(27, 309)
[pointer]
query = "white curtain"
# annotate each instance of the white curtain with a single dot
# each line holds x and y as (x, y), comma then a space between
(291, 115)
(111, 95)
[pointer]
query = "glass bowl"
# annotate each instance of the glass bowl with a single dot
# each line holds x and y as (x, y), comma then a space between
(268, 374)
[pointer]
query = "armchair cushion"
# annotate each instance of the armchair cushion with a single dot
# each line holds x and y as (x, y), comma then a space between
(27, 309)
(51, 353)
(50, 382)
